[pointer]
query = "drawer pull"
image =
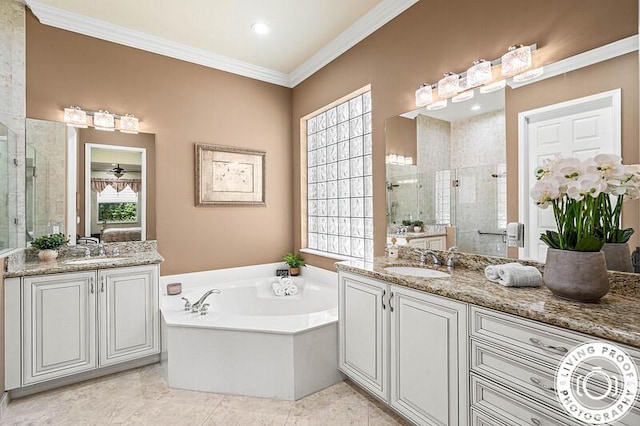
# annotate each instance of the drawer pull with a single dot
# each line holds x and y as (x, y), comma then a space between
(91, 282)
(390, 299)
(555, 349)
(384, 292)
(540, 385)
(535, 421)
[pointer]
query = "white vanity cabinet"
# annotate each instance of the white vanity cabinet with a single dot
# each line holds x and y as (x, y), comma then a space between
(62, 324)
(406, 347)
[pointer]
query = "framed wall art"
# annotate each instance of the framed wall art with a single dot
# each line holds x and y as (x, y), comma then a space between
(229, 176)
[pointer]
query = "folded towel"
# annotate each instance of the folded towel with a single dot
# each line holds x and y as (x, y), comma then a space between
(522, 276)
(292, 290)
(514, 275)
(492, 272)
(278, 290)
(285, 282)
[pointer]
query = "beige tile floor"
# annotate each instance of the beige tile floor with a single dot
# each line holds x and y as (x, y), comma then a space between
(141, 397)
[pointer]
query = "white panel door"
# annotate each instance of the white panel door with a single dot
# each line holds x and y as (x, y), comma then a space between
(429, 368)
(582, 128)
(129, 321)
(59, 325)
(363, 332)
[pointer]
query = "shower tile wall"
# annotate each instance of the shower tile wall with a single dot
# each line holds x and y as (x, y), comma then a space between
(12, 107)
(434, 154)
(477, 149)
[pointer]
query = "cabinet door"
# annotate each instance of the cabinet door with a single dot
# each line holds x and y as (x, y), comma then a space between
(59, 325)
(128, 306)
(429, 371)
(435, 243)
(363, 329)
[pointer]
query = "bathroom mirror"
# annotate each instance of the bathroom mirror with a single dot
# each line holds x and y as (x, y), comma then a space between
(8, 234)
(56, 180)
(465, 172)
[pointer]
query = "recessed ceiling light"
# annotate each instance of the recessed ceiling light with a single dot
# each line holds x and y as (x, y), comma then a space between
(476, 107)
(260, 28)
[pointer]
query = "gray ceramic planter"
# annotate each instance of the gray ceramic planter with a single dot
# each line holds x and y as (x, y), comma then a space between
(618, 257)
(575, 275)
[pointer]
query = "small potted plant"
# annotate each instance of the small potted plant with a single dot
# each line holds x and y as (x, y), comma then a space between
(417, 225)
(295, 262)
(48, 246)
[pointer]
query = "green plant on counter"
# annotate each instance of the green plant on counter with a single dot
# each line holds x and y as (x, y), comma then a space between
(407, 222)
(417, 223)
(293, 260)
(49, 242)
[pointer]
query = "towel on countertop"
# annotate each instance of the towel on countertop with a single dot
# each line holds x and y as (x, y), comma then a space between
(514, 275)
(292, 290)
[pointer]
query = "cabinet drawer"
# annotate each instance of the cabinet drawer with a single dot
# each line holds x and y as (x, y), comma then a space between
(478, 418)
(538, 340)
(512, 408)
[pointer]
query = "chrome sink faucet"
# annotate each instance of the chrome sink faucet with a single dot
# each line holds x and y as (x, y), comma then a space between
(427, 252)
(452, 257)
(200, 305)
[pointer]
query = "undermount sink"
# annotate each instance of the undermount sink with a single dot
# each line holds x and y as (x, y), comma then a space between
(417, 272)
(94, 260)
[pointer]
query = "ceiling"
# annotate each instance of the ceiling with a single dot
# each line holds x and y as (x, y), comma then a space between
(305, 34)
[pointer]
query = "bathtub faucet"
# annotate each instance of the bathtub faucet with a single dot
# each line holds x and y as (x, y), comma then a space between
(197, 306)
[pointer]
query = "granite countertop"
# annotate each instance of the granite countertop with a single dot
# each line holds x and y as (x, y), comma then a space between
(418, 235)
(616, 317)
(129, 254)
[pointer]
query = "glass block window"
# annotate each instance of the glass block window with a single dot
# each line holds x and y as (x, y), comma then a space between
(339, 180)
(443, 197)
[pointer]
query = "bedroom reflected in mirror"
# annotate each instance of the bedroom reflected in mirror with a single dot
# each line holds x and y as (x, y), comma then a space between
(115, 193)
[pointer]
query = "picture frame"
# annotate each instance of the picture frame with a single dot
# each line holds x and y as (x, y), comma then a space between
(229, 176)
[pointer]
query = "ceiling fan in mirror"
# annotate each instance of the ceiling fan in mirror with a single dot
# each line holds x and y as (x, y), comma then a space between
(117, 171)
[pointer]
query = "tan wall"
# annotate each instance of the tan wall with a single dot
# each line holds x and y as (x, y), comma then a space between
(400, 134)
(2, 260)
(621, 72)
(141, 140)
(436, 36)
(181, 103)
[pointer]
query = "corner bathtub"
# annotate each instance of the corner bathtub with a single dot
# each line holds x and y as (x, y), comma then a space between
(252, 342)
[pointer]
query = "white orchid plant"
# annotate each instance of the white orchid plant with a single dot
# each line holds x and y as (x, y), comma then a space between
(586, 197)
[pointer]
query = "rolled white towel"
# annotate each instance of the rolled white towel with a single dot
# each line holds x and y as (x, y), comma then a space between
(520, 276)
(492, 272)
(278, 289)
(292, 290)
(286, 282)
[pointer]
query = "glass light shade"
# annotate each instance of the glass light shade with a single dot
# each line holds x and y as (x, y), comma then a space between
(424, 95)
(75, 117)
(129, 124)
(464, 96)
(437, 105)
(400, 159)
(393, 159)
(408, 161)
(516, 60)
(448, 85)
(498, 85)
(479, 73)
(103, 120)
(528, 75)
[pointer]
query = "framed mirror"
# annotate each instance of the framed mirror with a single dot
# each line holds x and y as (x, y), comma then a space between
(482, 168)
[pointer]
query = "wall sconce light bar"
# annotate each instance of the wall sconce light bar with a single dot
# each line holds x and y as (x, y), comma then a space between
(102, 120)
(515, 63)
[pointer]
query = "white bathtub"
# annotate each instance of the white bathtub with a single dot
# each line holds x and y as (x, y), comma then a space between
(252, 342)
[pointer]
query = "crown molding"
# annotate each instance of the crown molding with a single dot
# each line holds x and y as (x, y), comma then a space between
(74, 22)
(581, 60)
(361, 29)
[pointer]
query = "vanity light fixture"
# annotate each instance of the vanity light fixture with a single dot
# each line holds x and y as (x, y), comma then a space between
(104, 120)
(74, 116)
(424, 95)
(498, 85)
(528, 75)
(437, 105)
(464, 96)
(448, 85)
(479, 73)
(516, 60)
(129, 124)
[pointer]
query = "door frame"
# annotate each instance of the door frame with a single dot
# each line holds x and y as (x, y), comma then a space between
(611, 98)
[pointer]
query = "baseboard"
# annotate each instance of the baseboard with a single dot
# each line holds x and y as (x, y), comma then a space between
(81, 377)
